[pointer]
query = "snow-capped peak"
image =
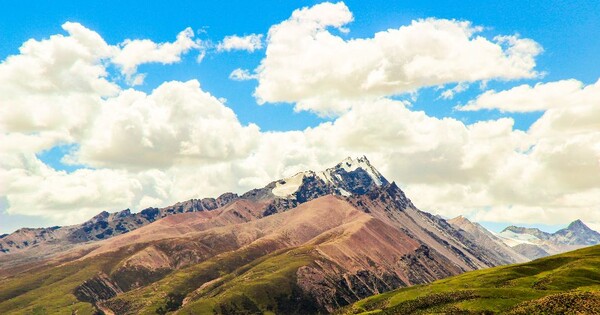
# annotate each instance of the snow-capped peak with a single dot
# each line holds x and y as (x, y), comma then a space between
(349, 165)
(352, 175)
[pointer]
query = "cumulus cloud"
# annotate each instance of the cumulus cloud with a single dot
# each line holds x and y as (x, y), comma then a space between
(52, 88)
(57, 91)
(318, 70)
(541, 96)
(132, 53)
(249, 43)
(177, 122)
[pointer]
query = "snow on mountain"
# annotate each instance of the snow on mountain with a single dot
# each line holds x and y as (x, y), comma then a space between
(288, 186)
(511, 238)
(347, 177)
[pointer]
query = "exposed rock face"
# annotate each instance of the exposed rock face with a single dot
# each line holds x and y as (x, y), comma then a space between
(97, 289)
(26, 237)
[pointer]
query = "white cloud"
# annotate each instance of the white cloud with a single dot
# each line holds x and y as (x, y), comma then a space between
(57, 91)
(542, 96)
(51, 89)
(241, 75)
(132, 53)
(248, 43)
(320, 71)
(176, 123)
(448, 94)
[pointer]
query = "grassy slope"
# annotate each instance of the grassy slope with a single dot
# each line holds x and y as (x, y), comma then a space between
(49, 290)
(243, 279)
(527, 288)
(268, 286)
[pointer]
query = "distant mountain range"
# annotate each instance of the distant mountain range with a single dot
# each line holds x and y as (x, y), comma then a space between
(534, 243)
(310, 243)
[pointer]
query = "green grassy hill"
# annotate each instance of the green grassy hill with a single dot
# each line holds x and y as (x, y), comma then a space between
(562, 284)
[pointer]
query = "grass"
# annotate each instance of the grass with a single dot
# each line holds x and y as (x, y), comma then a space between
(267, 287)
(50, 290)
(240, 280)
(502, 289)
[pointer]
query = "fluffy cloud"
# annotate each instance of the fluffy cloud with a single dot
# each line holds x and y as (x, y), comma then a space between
(176, 123)
(248, 43)
(57, 91)
(318, 70)
(54, 84)
(542, 96)
(37, 190)
(487, 170)
(132, 53)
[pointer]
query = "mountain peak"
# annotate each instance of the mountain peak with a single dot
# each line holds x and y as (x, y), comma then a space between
(350, 176)
(577, 224)
(350, 164)
(460, 220)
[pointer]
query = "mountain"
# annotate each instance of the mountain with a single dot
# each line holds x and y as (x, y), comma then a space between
(484, 238)
(310, 243)
(534, 243)
(567, 283)
(27, 245)
(577, 233)
(343, 179)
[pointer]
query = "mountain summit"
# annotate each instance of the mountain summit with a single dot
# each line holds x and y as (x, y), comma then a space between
(577, 233)
(351, 176)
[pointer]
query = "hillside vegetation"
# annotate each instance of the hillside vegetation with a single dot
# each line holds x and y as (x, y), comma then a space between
(568, 283)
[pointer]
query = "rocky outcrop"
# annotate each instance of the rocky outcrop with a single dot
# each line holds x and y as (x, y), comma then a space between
(97, 289)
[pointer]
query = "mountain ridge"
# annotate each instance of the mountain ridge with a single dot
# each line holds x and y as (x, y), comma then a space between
(353, 232)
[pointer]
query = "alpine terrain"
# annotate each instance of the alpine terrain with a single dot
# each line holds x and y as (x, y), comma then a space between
(311, 243)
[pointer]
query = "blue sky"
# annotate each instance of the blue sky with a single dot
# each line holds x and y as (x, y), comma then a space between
(568, 31)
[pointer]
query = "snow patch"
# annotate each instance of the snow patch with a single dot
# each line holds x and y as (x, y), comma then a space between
(288, 186)
(344, 192)
(325, 176)
(511, 238)
(350, 165)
